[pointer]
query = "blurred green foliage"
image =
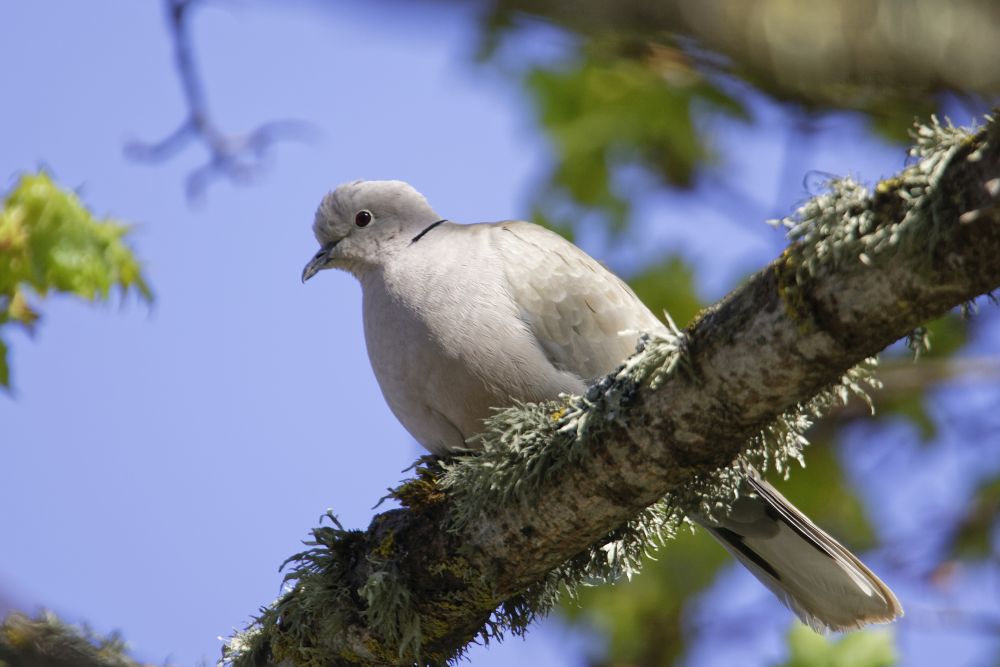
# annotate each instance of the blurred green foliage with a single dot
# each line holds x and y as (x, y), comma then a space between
(939, 339)
(603, 112)
(889, 60)
(642, 619)
(669, 287)
(973, 535)
(50, 242)
(871, 648)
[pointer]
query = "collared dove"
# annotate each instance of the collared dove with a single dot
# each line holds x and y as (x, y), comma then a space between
(462, 319)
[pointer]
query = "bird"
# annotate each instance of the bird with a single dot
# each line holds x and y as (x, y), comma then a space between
(462, 319)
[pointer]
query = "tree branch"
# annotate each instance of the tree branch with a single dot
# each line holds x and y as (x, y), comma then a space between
(873, 55)
(46, 641)
(238, 157)
(570, 490)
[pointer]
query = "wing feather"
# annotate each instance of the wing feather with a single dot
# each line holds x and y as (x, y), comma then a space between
(584, 317)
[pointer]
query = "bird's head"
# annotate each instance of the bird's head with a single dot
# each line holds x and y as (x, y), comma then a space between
(362, 223)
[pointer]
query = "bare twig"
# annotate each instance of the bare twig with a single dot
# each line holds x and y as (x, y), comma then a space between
(238, 157)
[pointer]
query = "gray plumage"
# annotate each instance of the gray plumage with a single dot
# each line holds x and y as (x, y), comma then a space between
(461, 319)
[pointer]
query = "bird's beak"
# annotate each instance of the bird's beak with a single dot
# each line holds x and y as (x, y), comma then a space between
(318, 262)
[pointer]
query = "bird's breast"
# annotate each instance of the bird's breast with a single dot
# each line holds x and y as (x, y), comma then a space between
(447, 344)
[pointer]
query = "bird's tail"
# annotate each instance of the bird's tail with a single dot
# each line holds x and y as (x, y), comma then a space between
(810, 572)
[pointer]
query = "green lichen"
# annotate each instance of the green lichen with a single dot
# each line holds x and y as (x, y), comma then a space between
(304, 625)
(793, 295)
(846, 224)
(423, 491)
(850, 224)
(390, 611)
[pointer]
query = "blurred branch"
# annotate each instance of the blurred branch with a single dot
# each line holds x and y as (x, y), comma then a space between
(46, 641)
(881, 56)
(947, 619)
(903, 375)
(238, 157)
(903, 378)
(489, 549)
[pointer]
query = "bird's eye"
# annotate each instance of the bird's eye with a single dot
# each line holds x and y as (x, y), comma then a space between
(363, 218)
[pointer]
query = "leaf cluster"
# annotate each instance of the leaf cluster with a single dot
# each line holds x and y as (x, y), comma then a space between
(50, 242)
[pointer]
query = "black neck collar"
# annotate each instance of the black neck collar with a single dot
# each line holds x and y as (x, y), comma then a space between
(426, 229)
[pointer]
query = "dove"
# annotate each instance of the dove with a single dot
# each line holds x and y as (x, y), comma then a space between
(462, 319)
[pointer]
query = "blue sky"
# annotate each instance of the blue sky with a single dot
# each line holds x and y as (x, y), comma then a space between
(162, 461)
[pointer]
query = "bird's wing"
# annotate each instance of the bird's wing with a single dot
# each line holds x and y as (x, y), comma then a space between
(584, 317)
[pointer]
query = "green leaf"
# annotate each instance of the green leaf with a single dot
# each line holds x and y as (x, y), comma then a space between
(871, 648)
(49, 241)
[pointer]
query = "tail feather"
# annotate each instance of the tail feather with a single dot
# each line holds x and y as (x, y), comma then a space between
(809, 571)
